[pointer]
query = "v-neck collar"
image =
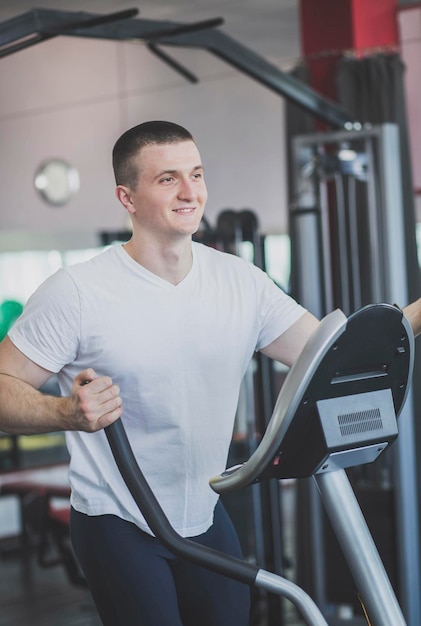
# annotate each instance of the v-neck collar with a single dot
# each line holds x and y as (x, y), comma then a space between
(151, 276)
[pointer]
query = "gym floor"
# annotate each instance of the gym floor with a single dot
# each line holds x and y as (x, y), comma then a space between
(34, 596)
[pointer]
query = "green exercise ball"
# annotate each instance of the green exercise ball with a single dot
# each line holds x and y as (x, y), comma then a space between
(9, 313)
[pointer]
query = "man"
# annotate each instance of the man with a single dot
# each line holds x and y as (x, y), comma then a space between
(166, 327)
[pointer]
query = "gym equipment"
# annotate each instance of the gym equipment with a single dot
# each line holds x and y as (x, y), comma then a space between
(9, 312)
(337, 408)
(348, 249)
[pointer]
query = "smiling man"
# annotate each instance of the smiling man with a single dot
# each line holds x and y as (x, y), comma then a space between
(163, 328)
(166, 202)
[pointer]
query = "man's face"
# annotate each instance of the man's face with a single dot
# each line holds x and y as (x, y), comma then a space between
(171, 194)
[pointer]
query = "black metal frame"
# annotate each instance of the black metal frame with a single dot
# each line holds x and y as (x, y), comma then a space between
(41, 24)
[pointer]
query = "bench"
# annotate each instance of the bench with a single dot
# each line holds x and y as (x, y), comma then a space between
(44, 497)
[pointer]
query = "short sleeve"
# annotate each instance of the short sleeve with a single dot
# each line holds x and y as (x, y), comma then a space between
(278, 310)
(48, 330)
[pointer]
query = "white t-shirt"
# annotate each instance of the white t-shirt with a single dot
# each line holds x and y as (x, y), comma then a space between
(178, 353)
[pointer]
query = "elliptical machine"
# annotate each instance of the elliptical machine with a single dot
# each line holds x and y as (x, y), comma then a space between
(337, 408)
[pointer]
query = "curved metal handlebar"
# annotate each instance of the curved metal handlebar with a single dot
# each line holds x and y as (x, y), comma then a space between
(330, 328)
(371, 334)
(201, 555)
(157, 520)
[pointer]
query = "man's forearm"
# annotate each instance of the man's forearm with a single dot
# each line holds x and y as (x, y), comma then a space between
(26, 411)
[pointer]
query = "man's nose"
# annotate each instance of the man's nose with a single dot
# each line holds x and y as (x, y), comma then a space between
(186, 189)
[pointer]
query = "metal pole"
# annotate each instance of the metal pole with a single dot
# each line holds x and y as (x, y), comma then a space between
(291, 591)
(359, 549)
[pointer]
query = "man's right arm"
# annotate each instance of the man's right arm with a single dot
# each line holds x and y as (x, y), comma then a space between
(25, 410)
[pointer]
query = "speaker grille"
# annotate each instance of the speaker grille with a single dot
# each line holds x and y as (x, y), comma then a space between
(360, 422)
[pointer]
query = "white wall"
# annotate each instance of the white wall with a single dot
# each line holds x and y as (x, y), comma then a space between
(73, 97)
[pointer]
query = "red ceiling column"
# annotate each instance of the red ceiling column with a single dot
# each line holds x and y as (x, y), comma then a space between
(330, 28)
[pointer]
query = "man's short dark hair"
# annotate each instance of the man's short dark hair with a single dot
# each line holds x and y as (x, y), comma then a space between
(128, 146)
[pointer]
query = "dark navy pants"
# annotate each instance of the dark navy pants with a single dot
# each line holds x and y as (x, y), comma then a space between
(136, 581)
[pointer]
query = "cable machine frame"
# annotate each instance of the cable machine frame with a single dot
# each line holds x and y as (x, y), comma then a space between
(377, 163)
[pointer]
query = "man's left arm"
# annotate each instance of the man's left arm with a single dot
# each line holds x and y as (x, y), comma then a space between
(412, 313)
(288, 346)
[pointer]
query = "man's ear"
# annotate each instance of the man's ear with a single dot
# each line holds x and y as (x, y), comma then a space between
(123, 194)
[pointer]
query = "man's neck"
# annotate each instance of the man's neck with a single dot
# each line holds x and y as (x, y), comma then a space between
(170, 262)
